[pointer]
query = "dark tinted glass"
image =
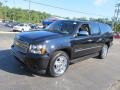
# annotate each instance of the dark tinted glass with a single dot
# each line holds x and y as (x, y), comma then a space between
(63, 27)
(21, 24)
(105, 28)
(94, 29)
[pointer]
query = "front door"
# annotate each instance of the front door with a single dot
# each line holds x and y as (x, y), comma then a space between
(82, 45)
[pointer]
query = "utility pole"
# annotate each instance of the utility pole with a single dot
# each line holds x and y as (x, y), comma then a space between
(116, 15)
(117, 11)
(14, 10)
(5, 12)
(29, 10)
(29, 1)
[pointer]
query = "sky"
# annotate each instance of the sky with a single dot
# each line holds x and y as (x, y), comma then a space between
(94, 8)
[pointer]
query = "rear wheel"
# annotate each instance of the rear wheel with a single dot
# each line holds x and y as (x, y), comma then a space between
(58, 64)
(103, 52)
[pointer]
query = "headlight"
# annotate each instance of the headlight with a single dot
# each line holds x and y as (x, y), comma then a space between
(37, 49)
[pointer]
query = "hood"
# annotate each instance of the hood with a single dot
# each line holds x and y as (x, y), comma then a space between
(37, 35)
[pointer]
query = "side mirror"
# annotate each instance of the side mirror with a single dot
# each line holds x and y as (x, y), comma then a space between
(83, 33)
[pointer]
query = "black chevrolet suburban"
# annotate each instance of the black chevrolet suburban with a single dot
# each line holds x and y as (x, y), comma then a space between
(61, 43)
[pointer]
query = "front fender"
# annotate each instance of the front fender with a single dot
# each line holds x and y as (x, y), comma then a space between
(57, 44)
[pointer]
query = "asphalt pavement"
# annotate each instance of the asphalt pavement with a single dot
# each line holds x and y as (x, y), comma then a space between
(91, 74)
(4, 28)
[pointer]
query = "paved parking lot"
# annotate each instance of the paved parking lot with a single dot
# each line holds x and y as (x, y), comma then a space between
(91, 74)
(4, 28)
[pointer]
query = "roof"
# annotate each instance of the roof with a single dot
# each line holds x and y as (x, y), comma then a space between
(81, 21)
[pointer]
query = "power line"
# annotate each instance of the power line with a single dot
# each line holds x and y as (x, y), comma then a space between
(56, 7)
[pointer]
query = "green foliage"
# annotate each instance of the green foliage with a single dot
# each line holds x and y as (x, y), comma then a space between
(116, 27)
(22, 15)
(82, 18)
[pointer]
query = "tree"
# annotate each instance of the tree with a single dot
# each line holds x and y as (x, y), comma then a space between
(82, 18)
(21, 15)
(1, 4)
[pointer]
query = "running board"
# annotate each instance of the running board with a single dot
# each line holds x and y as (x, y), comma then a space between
(84, 58)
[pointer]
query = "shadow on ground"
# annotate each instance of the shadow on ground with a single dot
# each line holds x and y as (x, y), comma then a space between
(9, 64)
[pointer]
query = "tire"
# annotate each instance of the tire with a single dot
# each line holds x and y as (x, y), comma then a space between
(103, 52)
(22, 30)
(58, 64)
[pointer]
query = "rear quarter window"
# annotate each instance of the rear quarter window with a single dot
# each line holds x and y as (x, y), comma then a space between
(105, 28)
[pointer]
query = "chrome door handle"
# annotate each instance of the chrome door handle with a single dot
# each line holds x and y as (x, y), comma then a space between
(100, 39)
(90, 40)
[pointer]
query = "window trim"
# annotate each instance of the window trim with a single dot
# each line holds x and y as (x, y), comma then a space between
(81, 25)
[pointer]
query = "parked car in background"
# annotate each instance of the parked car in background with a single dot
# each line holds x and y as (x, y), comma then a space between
(39, 26)
(11, 24)
(33, 26)
(0, 20)
(22, 27)
(61, 43)
(116, 35)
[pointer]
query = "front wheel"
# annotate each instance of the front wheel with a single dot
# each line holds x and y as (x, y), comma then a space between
(103, 52)
(58, 64)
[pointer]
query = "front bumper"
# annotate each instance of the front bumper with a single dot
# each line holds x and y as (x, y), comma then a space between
(35, 62)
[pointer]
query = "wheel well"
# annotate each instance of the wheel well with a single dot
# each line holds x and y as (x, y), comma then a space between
(108, 44)
(67, 51)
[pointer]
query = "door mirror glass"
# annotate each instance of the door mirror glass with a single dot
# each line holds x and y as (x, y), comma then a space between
(83, 33)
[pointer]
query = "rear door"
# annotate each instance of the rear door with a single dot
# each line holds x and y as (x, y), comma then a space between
(96, 37)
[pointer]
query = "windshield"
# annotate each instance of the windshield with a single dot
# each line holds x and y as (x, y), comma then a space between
(63, 27)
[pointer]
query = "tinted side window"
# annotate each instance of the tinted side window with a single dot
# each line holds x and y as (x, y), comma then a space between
(94, 29)
(105, 28)
(84, 27)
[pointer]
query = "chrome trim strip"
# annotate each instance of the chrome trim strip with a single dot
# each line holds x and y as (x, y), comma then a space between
(21, 45)
(78, 50)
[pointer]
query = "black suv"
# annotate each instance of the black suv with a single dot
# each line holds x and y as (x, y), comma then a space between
(61, 43)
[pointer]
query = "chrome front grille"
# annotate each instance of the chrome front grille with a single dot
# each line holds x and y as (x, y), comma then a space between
(21, 46)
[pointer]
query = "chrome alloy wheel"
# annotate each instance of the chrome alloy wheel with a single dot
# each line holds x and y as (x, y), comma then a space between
(104, 50)
(60, 65)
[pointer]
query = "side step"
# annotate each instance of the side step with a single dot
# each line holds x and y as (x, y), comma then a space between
(84, 58)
